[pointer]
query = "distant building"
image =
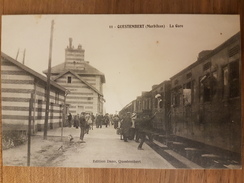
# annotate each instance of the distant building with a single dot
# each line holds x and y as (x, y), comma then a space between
(84, 82)
(19, 85)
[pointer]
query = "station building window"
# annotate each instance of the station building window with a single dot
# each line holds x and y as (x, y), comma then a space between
(69, 79)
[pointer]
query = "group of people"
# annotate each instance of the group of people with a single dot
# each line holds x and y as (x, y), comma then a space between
(134, 127)
(102, 120)
(85, 121)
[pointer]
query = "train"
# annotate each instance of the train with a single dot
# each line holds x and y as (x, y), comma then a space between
(202, 102)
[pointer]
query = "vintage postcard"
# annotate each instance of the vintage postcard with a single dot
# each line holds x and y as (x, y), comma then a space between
(121, 91)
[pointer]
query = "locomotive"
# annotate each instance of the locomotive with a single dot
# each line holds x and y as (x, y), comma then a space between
(202, 102)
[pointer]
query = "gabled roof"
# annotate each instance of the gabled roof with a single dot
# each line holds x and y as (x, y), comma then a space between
(30, 71)
(76, 75)
(89, 70)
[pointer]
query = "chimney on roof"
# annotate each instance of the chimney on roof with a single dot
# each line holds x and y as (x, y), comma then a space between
(70, 42)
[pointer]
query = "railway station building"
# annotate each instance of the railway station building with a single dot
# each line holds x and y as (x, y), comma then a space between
(84, 82)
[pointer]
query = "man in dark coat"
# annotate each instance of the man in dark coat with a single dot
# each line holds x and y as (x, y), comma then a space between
(144, 123)
(70, 119)
(106, 120)
(82, 127)
(116, 121)
(125, 126)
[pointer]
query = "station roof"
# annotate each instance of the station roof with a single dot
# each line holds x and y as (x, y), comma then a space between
(31, 71)
(88, 71)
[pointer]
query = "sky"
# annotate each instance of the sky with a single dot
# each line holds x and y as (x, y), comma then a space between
(132, 59)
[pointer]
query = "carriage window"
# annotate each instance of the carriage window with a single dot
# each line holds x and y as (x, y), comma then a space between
(161, 104)
(139, 105)
(187, 93)
(225, 81)
(206, 93)
(207, 66)
(208, 86)
(234, 79)
(214, 83)
(194, 90)
(150, 104)
(155, 103)
(175, 97)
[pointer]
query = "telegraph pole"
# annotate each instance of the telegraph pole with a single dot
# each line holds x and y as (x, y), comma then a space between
(29, 129)
(48, 84)
(17, 54)
(23, 58)
(64, 114)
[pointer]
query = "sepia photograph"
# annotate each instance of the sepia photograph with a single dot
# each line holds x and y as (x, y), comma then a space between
(148, 91)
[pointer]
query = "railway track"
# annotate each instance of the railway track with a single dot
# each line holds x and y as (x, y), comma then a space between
(182, 153)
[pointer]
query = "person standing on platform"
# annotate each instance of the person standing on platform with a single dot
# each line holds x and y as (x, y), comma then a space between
(93, 120)
(70, 119)
(76, 121)
(100, 121)
(97, 120)
(125, 126)
(116, 121)
(145, 124)
(88, 122)
(106, 120)
(82, 127)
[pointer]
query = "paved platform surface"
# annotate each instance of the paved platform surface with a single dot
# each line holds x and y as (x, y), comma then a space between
(103, 149)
